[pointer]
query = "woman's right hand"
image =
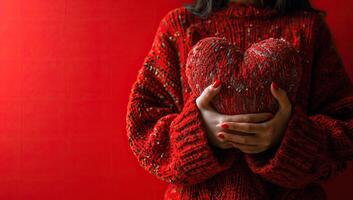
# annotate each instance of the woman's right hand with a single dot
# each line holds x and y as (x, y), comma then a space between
(211, 117)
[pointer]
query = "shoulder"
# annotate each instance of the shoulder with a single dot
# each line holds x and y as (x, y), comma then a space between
(176, 19)
(311, 17)
(176, 14)
(312, 23)
(173, 27)
(319, 27)
(317, 20)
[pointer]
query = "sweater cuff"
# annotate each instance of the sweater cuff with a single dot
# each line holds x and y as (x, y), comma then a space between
(291, 162)
(198, 159)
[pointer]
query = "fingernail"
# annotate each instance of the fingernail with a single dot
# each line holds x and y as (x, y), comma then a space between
(216, 84)
(225, 126)
(221, 136)
(275, 86)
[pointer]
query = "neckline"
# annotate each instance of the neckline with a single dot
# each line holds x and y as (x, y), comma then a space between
(236, 9)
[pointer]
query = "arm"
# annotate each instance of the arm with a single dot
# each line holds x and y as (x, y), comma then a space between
(317, 145)
(167, 135)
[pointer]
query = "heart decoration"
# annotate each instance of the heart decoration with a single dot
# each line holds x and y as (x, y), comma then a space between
(246, 76)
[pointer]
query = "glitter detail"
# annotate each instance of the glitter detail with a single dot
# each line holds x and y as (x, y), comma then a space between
(246, 75)
(169, 141)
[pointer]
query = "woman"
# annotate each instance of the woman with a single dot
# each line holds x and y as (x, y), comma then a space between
(178, 137)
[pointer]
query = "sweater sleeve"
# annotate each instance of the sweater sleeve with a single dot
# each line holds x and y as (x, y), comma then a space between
(317, 145)
(167, 135)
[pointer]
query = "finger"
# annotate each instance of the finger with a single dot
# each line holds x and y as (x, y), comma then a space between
(228, 145)
(207, 94)
(236, 132)
(241, 139)
(253, 117)
(280, 95)
(243, 127)
(223, 142)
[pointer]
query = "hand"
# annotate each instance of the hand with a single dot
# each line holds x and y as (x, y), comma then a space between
(263, 135)
(211, 117)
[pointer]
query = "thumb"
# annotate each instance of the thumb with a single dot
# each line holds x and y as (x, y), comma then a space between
(208, 93)
(280, 95)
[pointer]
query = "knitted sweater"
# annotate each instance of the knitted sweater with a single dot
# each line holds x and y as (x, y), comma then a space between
(166, 132)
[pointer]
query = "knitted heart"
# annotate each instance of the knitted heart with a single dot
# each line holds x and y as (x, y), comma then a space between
(246, 76)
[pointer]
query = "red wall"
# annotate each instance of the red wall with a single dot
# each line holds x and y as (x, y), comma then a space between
(66, 68)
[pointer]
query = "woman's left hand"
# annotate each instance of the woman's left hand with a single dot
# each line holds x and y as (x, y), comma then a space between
(259, 137)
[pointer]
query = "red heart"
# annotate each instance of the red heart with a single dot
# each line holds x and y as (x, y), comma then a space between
(246, 76)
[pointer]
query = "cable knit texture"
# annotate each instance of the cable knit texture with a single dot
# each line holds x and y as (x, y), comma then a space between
(165, 128)
(246, 76)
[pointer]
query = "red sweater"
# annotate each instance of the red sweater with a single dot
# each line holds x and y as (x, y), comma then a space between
(165, 128)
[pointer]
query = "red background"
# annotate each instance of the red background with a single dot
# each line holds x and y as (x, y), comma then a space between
(66, 68)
